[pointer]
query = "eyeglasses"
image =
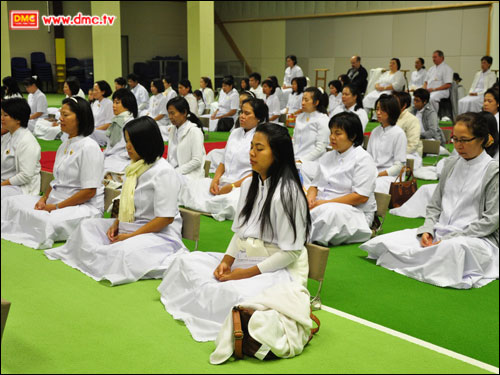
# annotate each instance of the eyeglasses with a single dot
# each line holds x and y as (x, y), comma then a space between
(461, 141)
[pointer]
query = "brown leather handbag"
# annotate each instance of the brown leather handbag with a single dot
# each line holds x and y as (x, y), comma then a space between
(246, 344)
(403, 190)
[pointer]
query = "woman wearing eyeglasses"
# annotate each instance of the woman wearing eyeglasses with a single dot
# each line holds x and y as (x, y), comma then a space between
(458, 244)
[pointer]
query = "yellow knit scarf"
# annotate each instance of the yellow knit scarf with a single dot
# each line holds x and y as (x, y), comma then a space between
(127, 206)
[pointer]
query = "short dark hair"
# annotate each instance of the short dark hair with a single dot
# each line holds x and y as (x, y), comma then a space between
(158, 83)
(255, 76)
(133, 77)
(128, 100)
(439, 52)
(477, 124)
(422, 61)
(228, 81)
(121, 81)
(422, 94)
(351, 124)
(337, 84)
(18, 109)
(275, 81)
(344, 78)
(81, 108)
(207, 81)
(198, 94)
(11, 84)
(488, 59)
(260, 109)
(358, 58)
(145, 136)
(293, 58)
(167, 79)
(403, 98)
(73, 84)
(33, 80)
(301, 85)
(320, 97)
(270, 83)
(398, 63)
(186, 83)
(246, 83)
(389, 105)
(104, 86)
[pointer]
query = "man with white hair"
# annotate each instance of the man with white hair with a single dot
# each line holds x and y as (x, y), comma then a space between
(438, 80)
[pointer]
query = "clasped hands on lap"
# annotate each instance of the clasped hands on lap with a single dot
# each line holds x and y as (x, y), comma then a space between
(223, 271)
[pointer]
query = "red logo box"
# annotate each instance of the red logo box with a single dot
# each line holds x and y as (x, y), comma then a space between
(24, 20)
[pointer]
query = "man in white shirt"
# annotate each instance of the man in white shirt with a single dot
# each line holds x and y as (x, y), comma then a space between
(255, 87)
(483, 80)
(438, 80)
(140, 93)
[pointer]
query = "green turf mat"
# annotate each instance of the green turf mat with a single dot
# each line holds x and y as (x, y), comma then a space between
(62, 321)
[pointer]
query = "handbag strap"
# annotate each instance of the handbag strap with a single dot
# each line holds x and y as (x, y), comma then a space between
(237, 333)
(314, 330)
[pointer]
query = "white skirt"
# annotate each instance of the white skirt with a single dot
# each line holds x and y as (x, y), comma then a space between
(10, 191)
(115, 164)
(145, 256)
(428, 173)
(100, 137)
(38, 229)
(383, 184)
(337, 223)
(470, 104)
(196, 195)
(460, 262)
(215, 157)
(191, 293)
(370, 99)
(416, 206)
(44, 129)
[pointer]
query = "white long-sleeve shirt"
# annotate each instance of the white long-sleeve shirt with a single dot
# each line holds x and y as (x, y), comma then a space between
(103, 112)
(38, 103)
(273, 103)
(387, 146)
(291, 73)
(21, 161)
(438, 75)
(311, 136)
(417, 79)
(360, 112)
(185, 149)
(142, 96)
(236, 154)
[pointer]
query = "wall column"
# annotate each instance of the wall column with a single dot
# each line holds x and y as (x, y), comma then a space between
(200, 36)
(106, 42)
(5, 71)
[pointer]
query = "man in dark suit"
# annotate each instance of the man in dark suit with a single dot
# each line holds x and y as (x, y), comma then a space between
(358, 74)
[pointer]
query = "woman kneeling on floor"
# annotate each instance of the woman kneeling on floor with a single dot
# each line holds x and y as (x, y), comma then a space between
(219, 195)
(75, 193)
(341, 196)
(271, 227)
(138, 244)
(458, 244)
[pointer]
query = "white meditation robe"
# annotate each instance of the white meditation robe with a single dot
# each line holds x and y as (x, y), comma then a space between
(334, 102)
(482, 82)
(294, 102)
(417, 79)
(353, 171)
(363, 117)
(20, 163)
(158, 106)
(437, 76)
(311, 136)
(230, 101)
(103, 114)
(144, 256)
(78, 165)
(208, 96)
(397, 80)
(189, 289)
(116, 157)
(38, 103)
(142, 96)
(236, 162)
(273, 104)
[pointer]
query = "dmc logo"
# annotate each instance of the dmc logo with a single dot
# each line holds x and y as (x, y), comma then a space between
(24, 19)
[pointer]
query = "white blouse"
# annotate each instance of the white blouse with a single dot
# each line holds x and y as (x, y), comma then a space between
(438, 75)
(185, 149)
(387, 146)
(294, 102)
(273, 103)
(462, 192)
(334, 102)
(38, 103)
(236, 155)
(229, 102)
(156, 193)
(21, 161)
(397, 80)
(310, 136)
(79, 165)
(291, 73)
(352, 171)
(158, 106)
(169, 94)
(103, 112)
(417, 79)
(363, 117)
(142, 96)
(282, 234)
(201, 107)
(193, 103)
(208, 95)
(259, 94)
(281, 97)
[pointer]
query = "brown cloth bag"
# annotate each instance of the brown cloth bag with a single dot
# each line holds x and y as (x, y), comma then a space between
(403, 190)
(246, 344)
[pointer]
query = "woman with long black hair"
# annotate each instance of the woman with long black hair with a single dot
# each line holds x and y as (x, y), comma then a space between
(271, 228)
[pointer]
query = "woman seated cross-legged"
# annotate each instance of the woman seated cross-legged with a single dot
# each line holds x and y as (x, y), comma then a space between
(341, 196)
(458, 244)
(271, 227)
(75, 193)
(138, 244)
(20, 151)
(219, 196)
